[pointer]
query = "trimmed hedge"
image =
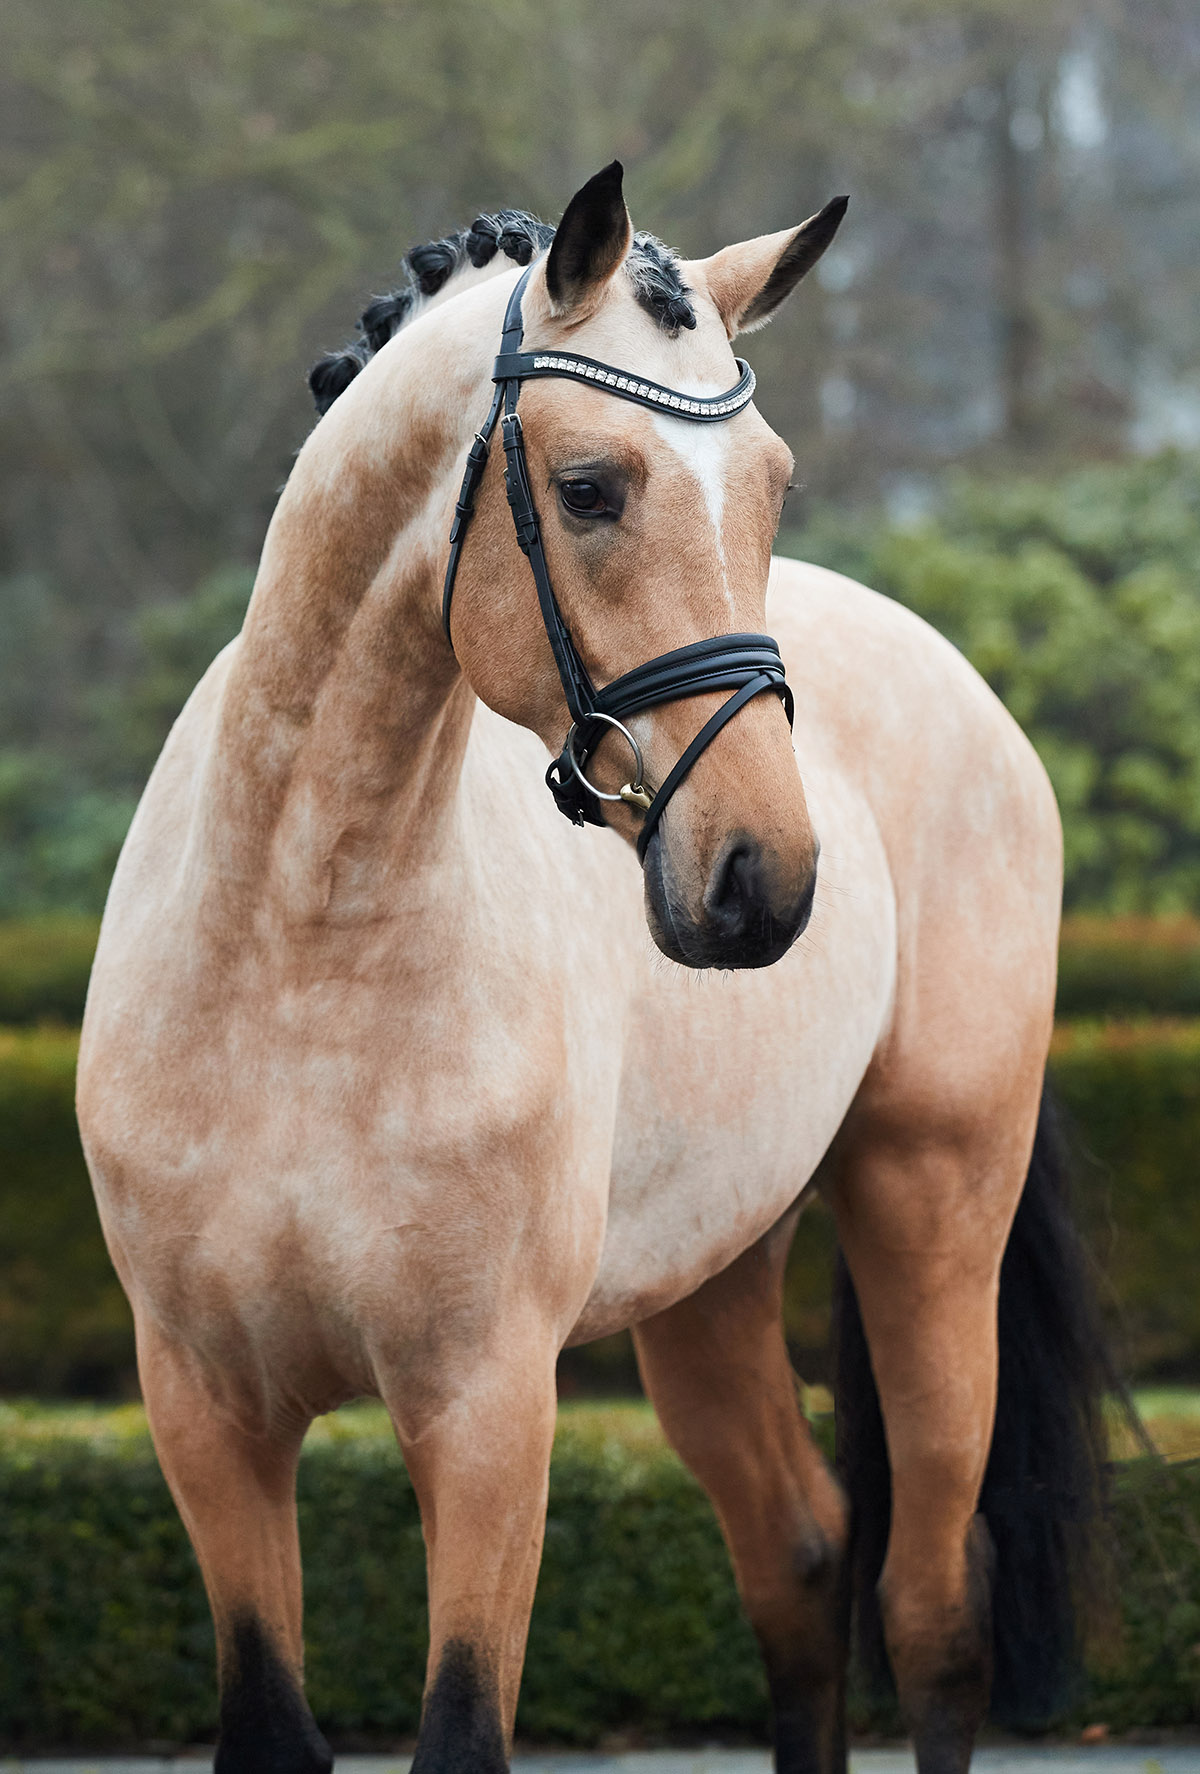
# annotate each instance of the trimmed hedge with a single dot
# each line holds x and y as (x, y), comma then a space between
(1133, 1091)
(64, 1322)
(1121, 967)
(105, 1638)
(44, 967)
(1107, 967)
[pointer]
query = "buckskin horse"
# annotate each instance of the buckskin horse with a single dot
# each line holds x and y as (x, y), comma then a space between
(385, 1089)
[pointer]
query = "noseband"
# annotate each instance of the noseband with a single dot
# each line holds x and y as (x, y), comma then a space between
(745, 664)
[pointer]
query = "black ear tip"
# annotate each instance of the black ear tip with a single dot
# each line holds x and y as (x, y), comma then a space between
(608, 180)
(837, 206)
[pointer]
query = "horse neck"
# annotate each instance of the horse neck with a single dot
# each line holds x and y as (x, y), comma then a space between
(344, 720)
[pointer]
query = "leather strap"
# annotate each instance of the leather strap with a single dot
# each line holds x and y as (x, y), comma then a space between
(529, 366)
(477, 455)
(577, 685)
(707, 733)
(746, 664)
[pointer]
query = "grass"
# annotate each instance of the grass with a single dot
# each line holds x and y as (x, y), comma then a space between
(1170, 1414)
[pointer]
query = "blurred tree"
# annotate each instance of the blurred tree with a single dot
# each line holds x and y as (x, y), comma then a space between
(194, 201)
(175, 643)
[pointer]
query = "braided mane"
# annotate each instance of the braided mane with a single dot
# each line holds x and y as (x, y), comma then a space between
(652, 268)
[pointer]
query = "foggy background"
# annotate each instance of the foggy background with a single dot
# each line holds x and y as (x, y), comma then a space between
(196, 200)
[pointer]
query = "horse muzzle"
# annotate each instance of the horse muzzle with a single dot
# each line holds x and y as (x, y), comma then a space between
(747, 916)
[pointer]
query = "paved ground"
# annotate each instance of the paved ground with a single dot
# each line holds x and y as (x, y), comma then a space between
(1108, 1759)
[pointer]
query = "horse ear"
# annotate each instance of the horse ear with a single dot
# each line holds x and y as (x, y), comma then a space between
(749, 281)
(590, 242)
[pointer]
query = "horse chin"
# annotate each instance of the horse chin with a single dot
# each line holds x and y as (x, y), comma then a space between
(702, 943)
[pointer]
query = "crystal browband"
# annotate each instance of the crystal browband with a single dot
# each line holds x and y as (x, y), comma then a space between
(528, 365)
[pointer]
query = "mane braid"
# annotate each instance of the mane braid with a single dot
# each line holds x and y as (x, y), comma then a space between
(658, 285)
(652, 268)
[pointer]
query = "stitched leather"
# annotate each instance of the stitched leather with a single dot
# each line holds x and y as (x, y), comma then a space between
(529, 366)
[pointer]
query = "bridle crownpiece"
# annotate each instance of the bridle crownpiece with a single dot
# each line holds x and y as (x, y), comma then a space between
(743, 664)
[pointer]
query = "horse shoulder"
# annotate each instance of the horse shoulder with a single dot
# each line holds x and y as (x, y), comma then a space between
(971, 830)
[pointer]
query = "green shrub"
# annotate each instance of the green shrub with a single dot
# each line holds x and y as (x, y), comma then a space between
(1129, 967)
(64, 1322)
(1133, 1093)
(44, 966)
(105, 1638)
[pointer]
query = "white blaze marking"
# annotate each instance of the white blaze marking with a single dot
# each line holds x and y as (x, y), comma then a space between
(705, 451)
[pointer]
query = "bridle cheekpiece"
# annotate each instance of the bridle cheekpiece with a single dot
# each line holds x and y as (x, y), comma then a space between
(744, 664)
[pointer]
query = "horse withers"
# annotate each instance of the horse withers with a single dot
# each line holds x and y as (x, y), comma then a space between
(387, 1089)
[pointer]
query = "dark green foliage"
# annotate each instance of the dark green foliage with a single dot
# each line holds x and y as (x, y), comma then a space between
(60, 833)
(105, 1638)
(104, 1634)
(1149, 1672)
(637, 1618)
(1129, 967)
(1133, 1093)
(172, 644)
(103, 1620)
(44, 967)
(73, 761)
(64, 1323)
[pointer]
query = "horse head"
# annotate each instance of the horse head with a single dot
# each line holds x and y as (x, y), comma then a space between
(648, 520)
(657, 534)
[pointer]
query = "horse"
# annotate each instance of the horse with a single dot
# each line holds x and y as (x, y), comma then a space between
(393, 1082)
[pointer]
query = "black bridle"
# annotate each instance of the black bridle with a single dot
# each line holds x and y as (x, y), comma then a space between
(746, 664)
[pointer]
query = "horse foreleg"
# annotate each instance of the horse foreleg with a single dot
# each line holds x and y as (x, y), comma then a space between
(717, 1370)
(236, 1494)
(480, 1462)
(923, 1224)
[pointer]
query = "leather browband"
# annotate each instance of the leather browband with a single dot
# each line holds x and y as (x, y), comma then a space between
(528, 366)
(744, 664)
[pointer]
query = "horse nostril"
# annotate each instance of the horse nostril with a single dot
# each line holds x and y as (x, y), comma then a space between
(804, 905)
(741, 910)
(735, 890)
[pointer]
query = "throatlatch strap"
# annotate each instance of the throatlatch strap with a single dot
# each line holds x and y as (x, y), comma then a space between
(746, 664)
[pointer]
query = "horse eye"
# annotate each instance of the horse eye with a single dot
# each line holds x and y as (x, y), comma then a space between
(582, 497)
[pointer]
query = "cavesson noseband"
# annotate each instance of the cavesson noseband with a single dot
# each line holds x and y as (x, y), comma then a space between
(746, 664)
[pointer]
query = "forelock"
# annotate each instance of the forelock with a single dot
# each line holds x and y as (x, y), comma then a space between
(658, 284)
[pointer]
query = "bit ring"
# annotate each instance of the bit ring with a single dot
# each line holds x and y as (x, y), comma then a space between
(634, 792)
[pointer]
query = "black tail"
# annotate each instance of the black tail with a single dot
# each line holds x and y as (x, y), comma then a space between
(1042, 1490)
